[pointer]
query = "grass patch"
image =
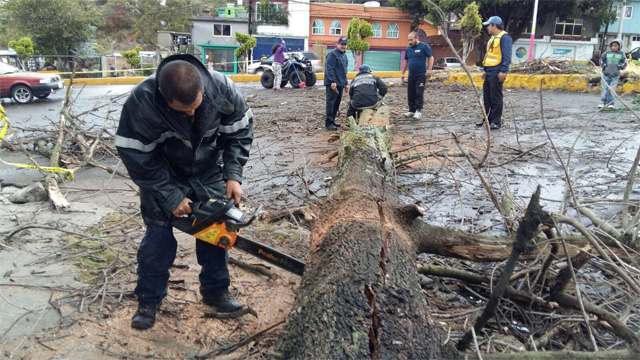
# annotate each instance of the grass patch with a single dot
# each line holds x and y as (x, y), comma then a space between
(92, 256)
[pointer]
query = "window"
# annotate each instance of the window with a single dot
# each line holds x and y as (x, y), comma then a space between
(377, 29)
(635, 38)
(392, 31)
(318, 27)
(628, 11)
(220, 59)
(568, 27)
(221, 30)
(335, 28)
(270, 12)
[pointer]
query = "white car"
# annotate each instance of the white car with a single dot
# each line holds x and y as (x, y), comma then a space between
(256, 67)
(447, 63)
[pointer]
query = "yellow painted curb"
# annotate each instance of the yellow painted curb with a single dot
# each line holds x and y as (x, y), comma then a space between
(107, 81)
(575, 83)
(133, 80)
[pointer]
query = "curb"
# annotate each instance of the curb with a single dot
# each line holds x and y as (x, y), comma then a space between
(236, 78)
(574, 83)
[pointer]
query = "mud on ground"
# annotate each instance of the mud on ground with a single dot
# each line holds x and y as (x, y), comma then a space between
(68, 294)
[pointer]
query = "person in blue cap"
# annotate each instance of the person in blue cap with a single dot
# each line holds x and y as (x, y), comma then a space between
(496, 66)
(335, 81)
(366, 91)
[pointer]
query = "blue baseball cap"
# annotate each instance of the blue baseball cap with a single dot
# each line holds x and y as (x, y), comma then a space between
(493, 20)
(365, 67)
(343, 40)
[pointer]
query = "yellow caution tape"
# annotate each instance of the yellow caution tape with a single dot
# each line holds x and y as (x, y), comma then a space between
(4, 124)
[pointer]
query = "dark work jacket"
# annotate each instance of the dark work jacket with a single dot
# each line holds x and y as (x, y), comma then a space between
(366, 89)
(335, 68)
(170, 159)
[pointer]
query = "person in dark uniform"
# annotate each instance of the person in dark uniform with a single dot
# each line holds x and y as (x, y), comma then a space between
(184, 135)
(366, 91)
(496, 66)
(335, 81)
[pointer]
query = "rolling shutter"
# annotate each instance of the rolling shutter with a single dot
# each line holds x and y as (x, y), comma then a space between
(382, 60)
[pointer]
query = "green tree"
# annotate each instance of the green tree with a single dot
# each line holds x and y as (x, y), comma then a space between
(356, 38)
(24, 49)
(174, 15)
(516, 14)
(132, 57)
(470, 27)
(56, 27)
(247, 42)
(120, 16)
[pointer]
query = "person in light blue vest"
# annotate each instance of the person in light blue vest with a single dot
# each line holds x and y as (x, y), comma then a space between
(611, 62)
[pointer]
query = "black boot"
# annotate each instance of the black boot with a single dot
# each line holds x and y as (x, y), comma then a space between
(145, 317)
(223, 303)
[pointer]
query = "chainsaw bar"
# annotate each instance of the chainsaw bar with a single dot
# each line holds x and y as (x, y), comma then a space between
(270, 255)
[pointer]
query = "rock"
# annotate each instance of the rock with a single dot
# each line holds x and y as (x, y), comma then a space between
(280, 233)
(31, 193)
(7, 190)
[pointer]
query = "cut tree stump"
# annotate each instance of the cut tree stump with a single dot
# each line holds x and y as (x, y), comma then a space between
(360, 297)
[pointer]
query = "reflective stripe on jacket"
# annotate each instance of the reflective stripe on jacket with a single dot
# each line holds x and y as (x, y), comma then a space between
(171, 157)
(494, 53)
(366, 89)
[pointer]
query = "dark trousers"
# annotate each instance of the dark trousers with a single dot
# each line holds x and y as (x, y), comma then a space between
(156, 254)
(333, 104)
(492, 96)
(415, 92)
(355, 111)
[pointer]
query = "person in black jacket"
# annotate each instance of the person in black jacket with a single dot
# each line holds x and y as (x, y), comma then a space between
(365, 91)
(335, 81)
(184, 135)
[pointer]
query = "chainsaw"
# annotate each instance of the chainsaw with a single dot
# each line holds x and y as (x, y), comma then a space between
(218, 222)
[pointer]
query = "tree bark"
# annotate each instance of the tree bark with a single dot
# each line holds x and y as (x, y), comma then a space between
(360, 294)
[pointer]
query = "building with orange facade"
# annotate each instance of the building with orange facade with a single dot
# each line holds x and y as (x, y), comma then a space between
(329, 21)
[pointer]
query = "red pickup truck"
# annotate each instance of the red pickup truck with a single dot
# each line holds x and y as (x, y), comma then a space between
(23, 86)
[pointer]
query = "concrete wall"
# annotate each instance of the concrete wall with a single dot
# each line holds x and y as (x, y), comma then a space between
(202, 31)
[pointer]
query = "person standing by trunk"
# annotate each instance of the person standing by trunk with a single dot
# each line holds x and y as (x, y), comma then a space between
(278, 59)
(496, 66)
(335, 81)
(184, 135)
(419, 59)
(611, 62)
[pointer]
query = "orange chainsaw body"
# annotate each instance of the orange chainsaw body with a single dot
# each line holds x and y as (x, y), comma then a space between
(218, 235)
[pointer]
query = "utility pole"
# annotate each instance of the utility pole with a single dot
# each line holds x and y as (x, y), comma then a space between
(533, 28)
(621, 21)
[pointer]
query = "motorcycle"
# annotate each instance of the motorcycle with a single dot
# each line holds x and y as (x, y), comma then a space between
(296, 70)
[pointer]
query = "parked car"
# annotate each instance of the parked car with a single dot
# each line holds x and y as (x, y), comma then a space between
(635, 54)
(256, 68)
(447, 63)
(23, 86)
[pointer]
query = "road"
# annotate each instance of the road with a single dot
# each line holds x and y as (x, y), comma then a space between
(39, 113)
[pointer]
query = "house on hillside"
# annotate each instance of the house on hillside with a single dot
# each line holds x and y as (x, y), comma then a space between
(630, 26)
(329, 21)
(287, 20)
(573, 39)
(214, 39)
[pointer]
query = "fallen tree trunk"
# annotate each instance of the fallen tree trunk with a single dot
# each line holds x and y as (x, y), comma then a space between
(360, 295)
